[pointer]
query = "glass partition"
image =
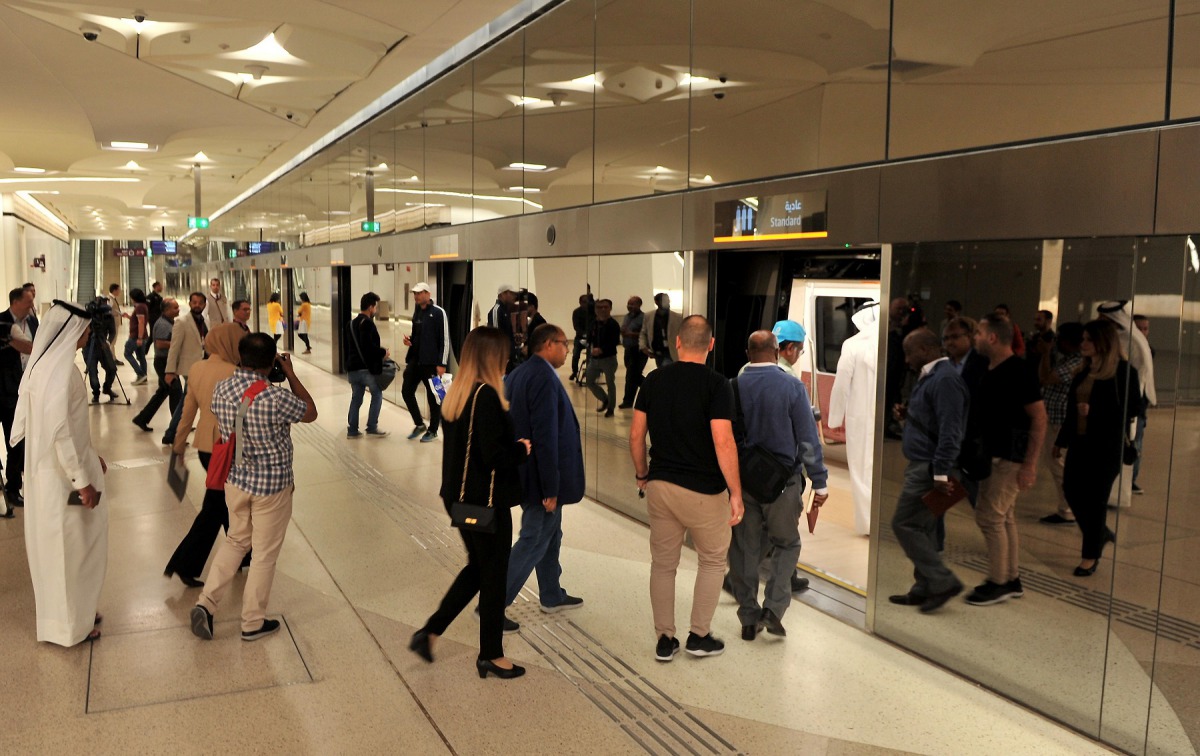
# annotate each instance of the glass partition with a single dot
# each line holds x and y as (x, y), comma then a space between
(497, 94)
(314, 283)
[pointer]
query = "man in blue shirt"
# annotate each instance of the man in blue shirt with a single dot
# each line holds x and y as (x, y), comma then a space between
(935, 419)
(775, 414)
(553, 476)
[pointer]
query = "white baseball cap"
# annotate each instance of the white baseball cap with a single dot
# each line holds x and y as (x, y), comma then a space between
(420, 287)
(507, 287)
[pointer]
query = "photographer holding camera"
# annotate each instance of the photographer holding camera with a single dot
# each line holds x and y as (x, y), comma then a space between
(259, 488)
(17, 329)
(98, 353)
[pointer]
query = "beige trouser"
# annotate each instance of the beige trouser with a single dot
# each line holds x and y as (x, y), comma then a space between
(673, 511)
(996, 516)
(1056, 471)
(258, 521)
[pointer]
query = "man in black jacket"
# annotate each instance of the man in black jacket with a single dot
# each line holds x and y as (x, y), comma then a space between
(581, 321)
(428, 355)
(364, 361)
(603, 340)
(16, 338)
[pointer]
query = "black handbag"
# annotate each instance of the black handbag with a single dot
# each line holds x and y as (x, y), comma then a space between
(763, 476)
(390, 368)
(466, 516)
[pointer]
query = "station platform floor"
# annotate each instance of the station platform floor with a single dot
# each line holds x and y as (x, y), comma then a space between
(368, 555)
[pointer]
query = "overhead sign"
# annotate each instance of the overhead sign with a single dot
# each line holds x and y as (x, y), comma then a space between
(771, 218)
(371, 227)
(195, 222)
(258, 248)
(162, 248)
(123, 252)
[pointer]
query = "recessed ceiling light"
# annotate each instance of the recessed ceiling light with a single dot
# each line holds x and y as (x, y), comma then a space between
(149, 207)
(527, 189)
(536, 167)
(121, 145)
(19, 169)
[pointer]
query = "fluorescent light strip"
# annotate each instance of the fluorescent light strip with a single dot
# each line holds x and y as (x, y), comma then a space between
(19, 169)
(72, 179)
(487, 197)
(45, 212)
(459, 53)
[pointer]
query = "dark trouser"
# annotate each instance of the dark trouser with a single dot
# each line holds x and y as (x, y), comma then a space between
(169, 392)
(1138, 438)
(420, 374)
(16, 454)
(98, 353)
(580, 345)
(608, 366)
(537, 548)
(486, 573)
(304, 338)
(915, 526)
(662, 359)
(635, 364)
(1086, 485)
(782, 531)
(192, 552)
(176, 414)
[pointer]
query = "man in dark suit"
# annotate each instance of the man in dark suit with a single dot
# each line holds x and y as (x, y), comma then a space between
(553, 476)
(17, 329)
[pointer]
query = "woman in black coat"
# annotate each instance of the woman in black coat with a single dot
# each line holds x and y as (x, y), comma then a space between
(478, 390)
(1103, 401)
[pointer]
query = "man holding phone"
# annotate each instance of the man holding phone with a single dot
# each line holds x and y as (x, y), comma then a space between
(260, 484)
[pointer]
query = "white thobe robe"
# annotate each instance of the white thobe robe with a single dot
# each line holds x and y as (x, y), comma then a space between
(852, 404)
(67, 545)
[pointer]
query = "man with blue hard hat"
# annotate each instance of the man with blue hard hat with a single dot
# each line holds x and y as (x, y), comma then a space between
(790, 336)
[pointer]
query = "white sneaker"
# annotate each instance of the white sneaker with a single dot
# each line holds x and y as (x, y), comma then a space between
(141, 379)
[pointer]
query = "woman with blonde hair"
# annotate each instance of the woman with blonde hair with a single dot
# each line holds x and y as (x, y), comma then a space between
(476, 419)
(221, 344)
(1103, 400)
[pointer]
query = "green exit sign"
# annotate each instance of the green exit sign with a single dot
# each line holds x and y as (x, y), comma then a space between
(197, 222)
(371, 227)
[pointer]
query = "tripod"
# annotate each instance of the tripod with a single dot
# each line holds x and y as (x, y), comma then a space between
(108, 361)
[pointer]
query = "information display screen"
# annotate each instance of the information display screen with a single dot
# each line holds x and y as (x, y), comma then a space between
(771, 217)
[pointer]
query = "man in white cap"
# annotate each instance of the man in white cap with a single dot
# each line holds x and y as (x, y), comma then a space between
(1142, 360)
(500, 316)
(428, 355)
(852, 404)
(66, 533)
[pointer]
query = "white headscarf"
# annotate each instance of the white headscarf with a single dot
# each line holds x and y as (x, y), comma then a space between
(54, 349)
(866, 316)
(1139, 348)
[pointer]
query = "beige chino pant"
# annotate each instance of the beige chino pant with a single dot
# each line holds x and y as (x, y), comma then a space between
(996, 516)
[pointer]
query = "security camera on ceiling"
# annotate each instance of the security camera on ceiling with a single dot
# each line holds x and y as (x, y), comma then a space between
(90, 32)
(139, 16)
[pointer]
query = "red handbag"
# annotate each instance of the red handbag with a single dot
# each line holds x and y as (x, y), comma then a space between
(223, 452)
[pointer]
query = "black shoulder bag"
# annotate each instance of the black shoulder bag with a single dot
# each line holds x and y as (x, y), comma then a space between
(764, 477)
(390, 368)
(478, 517)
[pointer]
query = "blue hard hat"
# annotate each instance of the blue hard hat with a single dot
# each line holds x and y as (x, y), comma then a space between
(788, 330)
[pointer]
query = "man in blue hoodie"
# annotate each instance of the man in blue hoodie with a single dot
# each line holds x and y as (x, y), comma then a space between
(934, 422)
(775, 415)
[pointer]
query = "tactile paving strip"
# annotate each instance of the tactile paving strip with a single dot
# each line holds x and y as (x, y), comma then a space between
(650, 717)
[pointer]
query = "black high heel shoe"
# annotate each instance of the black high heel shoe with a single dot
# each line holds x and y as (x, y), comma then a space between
(419, 645)
(1087, 571)
(189, 582)
(484, 666)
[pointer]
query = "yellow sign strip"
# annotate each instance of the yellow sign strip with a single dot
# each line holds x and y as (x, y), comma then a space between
(772, 237)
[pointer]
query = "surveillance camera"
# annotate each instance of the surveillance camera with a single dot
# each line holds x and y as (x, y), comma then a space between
(719, 95)
(139, 16)
(722, 79)
(90, 32)
(290, 115)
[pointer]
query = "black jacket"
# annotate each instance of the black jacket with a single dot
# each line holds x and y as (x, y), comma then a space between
(367, 353)
(1112, 406)
(493, 447)
(430, 337)
(605, 335)
(10, 359)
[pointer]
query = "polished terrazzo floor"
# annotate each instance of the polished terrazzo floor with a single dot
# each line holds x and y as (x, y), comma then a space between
(366, 559)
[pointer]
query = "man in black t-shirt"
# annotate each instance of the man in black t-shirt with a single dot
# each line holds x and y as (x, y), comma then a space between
(1012, 419)
(603, 339)
(688, 410)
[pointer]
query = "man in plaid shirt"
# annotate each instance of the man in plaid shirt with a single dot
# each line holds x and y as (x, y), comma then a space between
(259, 488)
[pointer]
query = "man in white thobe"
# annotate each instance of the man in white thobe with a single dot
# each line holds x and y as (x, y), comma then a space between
(66, 534)
(852, 404)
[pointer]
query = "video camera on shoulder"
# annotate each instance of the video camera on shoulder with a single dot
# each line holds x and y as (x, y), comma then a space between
(100, 311)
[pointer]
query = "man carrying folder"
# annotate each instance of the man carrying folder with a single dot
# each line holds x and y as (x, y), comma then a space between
(934, 422)
(773, 412)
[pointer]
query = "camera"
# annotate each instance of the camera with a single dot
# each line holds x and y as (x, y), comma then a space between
(277, 375)
(139, 16)
(290, 115)
(90, 32)
(100, 312)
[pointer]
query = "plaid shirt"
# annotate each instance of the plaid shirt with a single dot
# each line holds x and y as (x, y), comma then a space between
(1055, 395)
(266, 439)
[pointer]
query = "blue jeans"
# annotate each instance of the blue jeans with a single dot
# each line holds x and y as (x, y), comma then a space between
(360, 381)
(136, 356)
(537, 548)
